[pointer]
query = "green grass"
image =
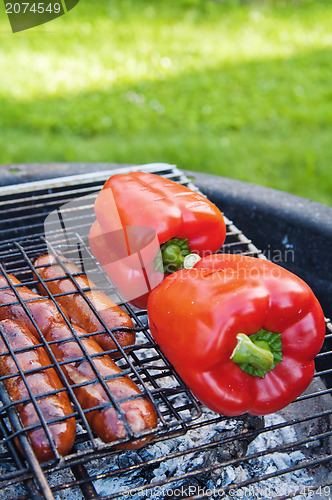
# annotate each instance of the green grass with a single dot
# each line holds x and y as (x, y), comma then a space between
(240, 89)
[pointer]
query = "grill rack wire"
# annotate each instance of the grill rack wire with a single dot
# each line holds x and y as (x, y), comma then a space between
(178, 411)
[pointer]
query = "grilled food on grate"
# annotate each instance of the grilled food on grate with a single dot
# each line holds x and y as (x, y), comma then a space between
(122, 408)
(43, 384)
(102, 384)
(43, 311)
(67, 279)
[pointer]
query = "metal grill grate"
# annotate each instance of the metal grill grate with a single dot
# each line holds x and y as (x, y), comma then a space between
(194, 452)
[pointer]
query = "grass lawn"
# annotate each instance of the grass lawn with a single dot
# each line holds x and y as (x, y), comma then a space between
(241, 89)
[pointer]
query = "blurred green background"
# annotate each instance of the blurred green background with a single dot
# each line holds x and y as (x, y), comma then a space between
(241, 89)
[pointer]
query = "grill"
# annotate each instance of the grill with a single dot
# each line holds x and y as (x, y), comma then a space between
(193, 452)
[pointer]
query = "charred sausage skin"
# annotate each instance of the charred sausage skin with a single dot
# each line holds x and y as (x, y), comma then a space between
(77, 308)
(107, 423)
(43, 310)
(42, 382)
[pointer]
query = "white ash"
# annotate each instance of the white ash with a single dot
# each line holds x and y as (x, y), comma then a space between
(12, 490)
(215, 475)
(272, 463)
(182, 464)
(168, 471)
(224, 477)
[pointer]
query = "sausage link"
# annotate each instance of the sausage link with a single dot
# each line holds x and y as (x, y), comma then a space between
(78, 309)
(43, 310)
(107, 423)
(42, 382)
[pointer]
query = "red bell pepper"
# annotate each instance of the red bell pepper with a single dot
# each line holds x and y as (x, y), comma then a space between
(179, 221)
(133, 271)
(241, 332)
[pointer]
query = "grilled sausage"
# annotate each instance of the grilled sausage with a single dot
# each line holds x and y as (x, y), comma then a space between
(107, 423)
(78, 308)
(43, 310)
(42, 382)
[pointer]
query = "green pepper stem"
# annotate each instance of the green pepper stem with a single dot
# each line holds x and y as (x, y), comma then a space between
(249, 352)
(175, 253)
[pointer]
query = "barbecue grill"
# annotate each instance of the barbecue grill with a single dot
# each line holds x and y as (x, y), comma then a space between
(193, 452)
